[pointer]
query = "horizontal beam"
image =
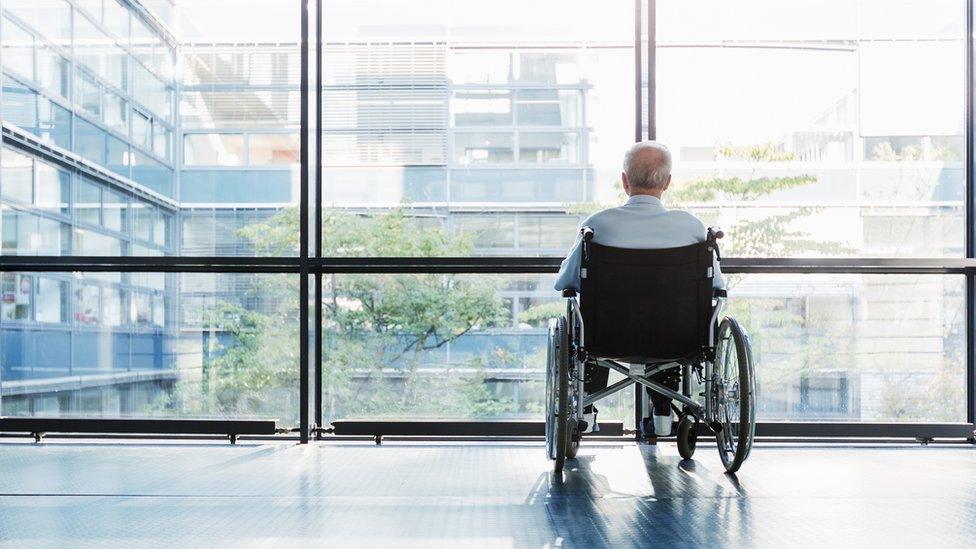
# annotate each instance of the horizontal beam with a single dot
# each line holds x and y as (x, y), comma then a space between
(864, 430)
(472, 265)
(763, 429)
(474, 427)
(138, 426)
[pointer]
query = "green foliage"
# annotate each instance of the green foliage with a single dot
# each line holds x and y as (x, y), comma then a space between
(381, 331)
(539, 315)
(767, 152)
(734, 188)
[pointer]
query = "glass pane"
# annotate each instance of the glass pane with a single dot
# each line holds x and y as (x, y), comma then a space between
(885, 348)
(264, 149)
(240, 113)
(18, 49)
(852, 348)
(213, 149)
(17, 179)
(53, 72)
(53, 188)
(822, 147)
(548, 148)
(150, 345)
(482, 107)
(53, 16)
(436, 346)
(484, 148)
(88, 202)
(434, 111)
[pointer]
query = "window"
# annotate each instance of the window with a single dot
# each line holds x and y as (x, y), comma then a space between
(117, 113)
(141, 129)
(17, 177)
(88, 202)
(113, 210)
(482, 108)
(844, 167)
(484, 148)
(53, 188)
(53, 72)
(87, 304)
(51, 300)
(548, 148)
(18, 49)
(18, 296)
(213, 149)
(265, 149)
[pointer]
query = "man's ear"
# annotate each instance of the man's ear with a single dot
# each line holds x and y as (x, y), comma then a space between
(667, 183)
(623, 178)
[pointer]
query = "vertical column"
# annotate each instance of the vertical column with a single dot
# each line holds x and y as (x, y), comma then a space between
(303, 294)
(318, 215)
(970, 220)
(638, 72)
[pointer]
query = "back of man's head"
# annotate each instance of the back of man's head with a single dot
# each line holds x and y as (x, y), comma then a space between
(648, 166)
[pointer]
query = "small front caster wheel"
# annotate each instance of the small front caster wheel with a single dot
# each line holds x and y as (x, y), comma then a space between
(687, 437)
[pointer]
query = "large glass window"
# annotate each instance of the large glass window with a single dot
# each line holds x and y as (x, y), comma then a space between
(797, 130)
(533, 117)
(814, 128)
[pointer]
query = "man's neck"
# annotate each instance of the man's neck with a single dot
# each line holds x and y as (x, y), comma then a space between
(657, 196)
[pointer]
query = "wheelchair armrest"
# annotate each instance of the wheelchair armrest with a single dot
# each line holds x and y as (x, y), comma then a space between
(720, 293)
(569, 292)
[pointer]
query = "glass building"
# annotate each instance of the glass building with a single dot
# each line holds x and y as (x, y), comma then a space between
(821, 130)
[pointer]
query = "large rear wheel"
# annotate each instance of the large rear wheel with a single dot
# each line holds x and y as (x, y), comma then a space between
(557, 389)
(733, 394)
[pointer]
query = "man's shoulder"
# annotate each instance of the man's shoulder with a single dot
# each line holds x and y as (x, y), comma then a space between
(684, 216)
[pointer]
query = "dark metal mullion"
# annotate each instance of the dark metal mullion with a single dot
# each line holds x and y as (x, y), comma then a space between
(651, 69)
(319, 61)
(970, 221)
(638, 73)
(639, 136)
(305, 427)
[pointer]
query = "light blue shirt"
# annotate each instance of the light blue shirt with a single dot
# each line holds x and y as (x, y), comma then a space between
(642, 223)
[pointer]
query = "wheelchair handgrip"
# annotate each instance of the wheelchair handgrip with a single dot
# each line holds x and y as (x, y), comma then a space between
(720, 293)
(569, 292)
(586, 233)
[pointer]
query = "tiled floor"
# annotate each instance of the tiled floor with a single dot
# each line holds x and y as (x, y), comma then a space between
(100, 494)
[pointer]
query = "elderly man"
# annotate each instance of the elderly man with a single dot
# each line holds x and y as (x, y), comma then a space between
(643, 223)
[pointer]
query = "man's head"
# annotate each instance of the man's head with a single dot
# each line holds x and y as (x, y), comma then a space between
(647, 169)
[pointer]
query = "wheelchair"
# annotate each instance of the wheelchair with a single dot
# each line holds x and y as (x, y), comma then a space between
(641, 312)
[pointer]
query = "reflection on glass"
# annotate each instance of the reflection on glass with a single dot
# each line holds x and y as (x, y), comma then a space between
(808, 150)
(213, 149)
(449, 111)
(231, 352)
(873, 348)
(265, 149)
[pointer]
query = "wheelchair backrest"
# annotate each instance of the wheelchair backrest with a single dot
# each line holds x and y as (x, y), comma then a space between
(646, 305)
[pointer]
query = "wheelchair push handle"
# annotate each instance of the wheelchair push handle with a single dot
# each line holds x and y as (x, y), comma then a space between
(715, 233)
(586, 233)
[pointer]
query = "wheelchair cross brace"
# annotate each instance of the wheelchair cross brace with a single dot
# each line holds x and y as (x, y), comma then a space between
(693, 407)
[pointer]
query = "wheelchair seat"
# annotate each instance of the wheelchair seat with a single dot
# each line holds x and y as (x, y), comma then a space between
(646, 306)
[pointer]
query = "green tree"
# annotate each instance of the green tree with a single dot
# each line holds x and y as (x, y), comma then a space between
(382, 333)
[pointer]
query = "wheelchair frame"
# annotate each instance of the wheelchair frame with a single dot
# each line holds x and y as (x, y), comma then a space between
(716, 395)
(701, 412)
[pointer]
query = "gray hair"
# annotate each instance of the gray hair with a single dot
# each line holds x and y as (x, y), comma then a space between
(647, 165)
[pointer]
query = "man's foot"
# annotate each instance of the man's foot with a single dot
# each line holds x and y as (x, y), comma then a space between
(662, 425)
(591, 425)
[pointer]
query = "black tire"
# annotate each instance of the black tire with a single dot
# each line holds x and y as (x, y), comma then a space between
(557, 388)
(572, 439)
(734, 394)
(687, 437)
